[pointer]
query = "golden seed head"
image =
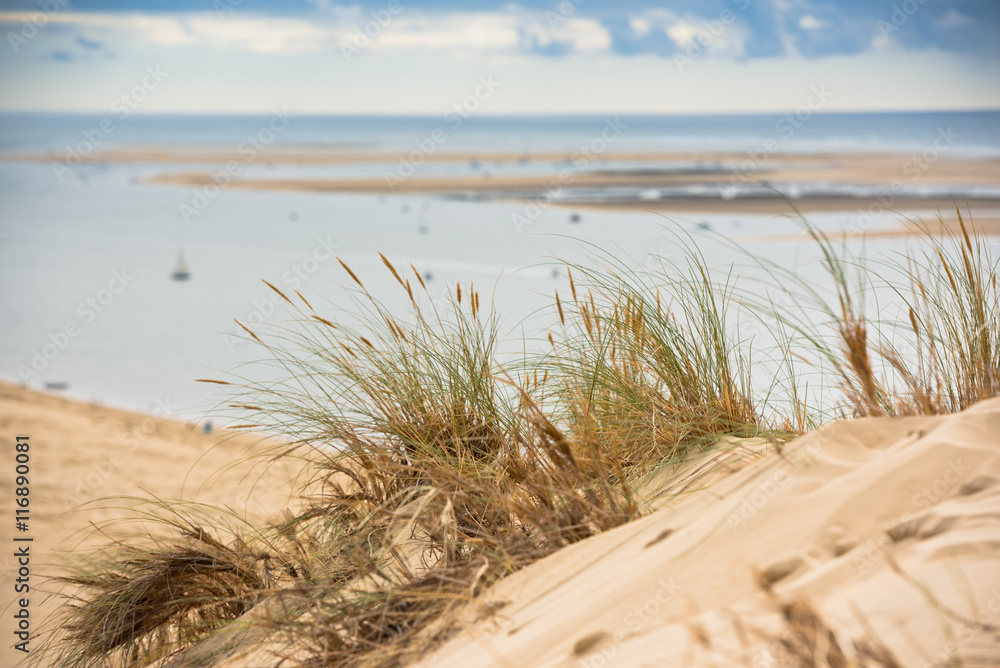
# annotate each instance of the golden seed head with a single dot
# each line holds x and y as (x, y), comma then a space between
(351, 273)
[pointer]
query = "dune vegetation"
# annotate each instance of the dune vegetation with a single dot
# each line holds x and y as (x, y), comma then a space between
(441, 463)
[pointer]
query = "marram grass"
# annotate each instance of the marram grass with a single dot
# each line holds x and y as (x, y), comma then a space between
(437, 470)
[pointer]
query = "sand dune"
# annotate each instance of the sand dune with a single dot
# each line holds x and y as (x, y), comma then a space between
(889, 527)
(82, 452)
(830, 520)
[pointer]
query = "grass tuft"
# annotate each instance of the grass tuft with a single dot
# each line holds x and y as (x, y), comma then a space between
(439, 465)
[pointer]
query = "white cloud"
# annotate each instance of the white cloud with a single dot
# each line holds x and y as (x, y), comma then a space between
(682, 32)
(490, 33)
(585, 35)
(810, 22)
(726, 39)
(880, 41)
(639, 25)
(271, 35)
(475, 32)
(258, 34)
(157, 28)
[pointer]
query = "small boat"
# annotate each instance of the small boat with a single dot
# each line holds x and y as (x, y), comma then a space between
(182, 272)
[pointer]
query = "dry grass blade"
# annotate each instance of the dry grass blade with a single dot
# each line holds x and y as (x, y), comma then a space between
(435, 473)
(280, 293)
(159, 598)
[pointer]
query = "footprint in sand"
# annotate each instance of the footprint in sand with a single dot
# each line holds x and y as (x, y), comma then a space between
(837, 541)
(977, 485)
(663, 535)
(590, 642)
(779, 570)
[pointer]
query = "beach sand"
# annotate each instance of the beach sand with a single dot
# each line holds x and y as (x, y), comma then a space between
(849, 167)
(549, 172)
(891, 172)
(83, 452)
(889, 527)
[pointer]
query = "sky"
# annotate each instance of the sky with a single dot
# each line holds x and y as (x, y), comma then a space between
(529, 57)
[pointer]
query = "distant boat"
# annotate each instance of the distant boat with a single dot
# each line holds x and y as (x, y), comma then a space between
(182, 272)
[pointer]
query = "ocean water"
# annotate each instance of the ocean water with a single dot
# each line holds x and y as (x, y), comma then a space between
(798, 130)
(86, 255)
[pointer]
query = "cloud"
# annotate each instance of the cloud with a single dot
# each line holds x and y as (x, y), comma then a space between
(574, 35)
(816, 31)
(158, 28)
(260, 34)
(638, 35)
(683, 32)
(639, 26)
(722, 36)
(810, 22)
(467, 33)
(507, 32)
(759, 28)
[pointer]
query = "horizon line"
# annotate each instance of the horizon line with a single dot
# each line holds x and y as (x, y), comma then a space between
(514, 114)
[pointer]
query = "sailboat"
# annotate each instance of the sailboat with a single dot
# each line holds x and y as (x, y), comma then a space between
(182, 272)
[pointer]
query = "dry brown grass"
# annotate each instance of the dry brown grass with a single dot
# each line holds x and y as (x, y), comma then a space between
(438, 470)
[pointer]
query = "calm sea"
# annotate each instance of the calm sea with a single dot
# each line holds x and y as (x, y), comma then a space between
(801, 130)
(86, 256)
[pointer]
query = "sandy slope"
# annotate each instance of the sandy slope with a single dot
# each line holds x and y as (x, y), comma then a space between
(826, 522)
(827, 519)
(81, 452)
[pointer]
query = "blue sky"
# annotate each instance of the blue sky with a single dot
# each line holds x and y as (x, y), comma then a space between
(564, 56)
